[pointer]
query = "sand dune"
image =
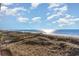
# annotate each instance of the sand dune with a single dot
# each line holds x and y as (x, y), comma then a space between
(37, 44)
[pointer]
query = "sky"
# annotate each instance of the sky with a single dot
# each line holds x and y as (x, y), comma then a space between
(39, 16)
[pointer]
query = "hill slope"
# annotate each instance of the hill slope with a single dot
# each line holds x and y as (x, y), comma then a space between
(37, 44)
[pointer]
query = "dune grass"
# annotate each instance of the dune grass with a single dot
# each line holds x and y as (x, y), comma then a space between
(38, 44)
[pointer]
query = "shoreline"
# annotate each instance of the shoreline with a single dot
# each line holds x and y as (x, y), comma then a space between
(64, 35)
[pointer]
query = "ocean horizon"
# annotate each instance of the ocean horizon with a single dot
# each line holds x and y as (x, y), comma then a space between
(52, 31)
(68, 31)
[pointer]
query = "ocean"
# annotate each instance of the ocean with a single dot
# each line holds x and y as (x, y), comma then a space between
(67, 31)
(61, 31)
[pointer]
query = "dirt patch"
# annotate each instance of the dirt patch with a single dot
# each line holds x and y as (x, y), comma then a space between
(5, 52)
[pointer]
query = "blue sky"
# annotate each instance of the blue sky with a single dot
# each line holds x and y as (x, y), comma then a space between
(39, 16)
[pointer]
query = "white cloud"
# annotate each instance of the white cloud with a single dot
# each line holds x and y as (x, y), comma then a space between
(51, 17)
(63, 21)
(58, 12)
(52, 5)
(3, 8)
(48, 13)
(14, 11)
(25, 20)
(36, 19)
(6, 4)
(22, 19)
(35, 4)
(67, 20)
(72, 18)
(19, 8)
(68, 16)
(76, 19)
(61, 10)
